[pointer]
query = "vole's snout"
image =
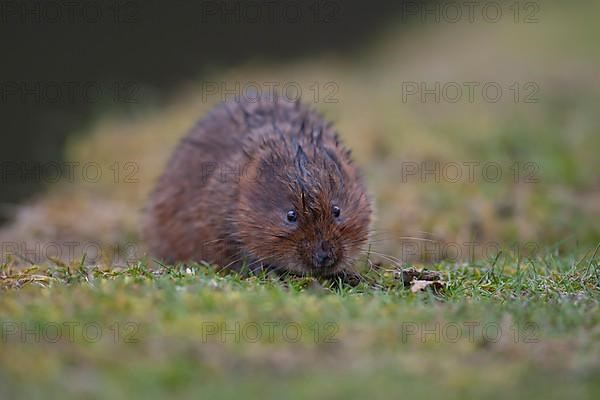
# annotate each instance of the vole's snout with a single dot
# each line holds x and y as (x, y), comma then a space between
(324, 255)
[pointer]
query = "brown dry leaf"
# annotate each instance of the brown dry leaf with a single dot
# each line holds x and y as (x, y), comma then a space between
(420, 280)
(410, 274)
(419, 285)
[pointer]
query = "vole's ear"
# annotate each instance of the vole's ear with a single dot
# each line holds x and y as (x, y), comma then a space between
(333, 163)
(301, 161)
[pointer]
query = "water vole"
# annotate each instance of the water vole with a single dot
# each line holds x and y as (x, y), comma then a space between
(260, 184)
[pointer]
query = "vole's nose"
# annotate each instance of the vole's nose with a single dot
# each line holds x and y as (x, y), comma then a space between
(323, 259)
(324, 255)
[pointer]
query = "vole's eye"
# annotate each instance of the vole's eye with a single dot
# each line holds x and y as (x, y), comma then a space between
(291, 216)
(336, 211)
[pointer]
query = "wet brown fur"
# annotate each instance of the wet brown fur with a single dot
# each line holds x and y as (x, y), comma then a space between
(226, 191)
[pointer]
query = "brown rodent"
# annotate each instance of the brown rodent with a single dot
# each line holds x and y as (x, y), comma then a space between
(263, 184)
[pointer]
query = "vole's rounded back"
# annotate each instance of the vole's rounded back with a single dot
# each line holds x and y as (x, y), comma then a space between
(260, 184)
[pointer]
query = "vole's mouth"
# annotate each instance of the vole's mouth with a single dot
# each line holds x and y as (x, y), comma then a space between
(325, 270)
(324, 264)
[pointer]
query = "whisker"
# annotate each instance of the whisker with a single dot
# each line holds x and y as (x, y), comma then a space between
(394, 260)
(213, 241)
(410, 238)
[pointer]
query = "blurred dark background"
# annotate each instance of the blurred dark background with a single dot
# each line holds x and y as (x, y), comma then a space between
(154, 45)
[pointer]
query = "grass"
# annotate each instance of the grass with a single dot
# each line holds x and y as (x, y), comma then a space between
(499, 329)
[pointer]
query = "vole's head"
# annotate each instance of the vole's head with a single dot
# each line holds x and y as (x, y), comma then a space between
(303, 207)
